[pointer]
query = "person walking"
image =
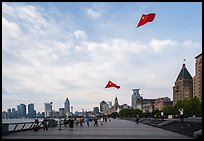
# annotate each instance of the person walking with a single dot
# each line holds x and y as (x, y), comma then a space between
(36, 125)
(81, 121)
(101, 120)
(87, 121)
(71, 124)
(45, 124)
(137, 119)
(95, 122)
(162, 115)
(181, 113)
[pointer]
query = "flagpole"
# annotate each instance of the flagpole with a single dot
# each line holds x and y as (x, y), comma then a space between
(184, 61)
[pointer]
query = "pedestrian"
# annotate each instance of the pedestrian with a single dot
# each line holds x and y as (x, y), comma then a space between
(65, 122)
(60, 123)
(71, 124)
(137, 119)
(181, 113)
(87, 121)
(36, 125)
(81, 121)
(101, 120)
(95, 122)
(162, 115)
(105, 119)
(109, 119)
(45, 124)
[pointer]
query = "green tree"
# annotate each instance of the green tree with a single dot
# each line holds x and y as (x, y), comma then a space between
(114, 114)
(191, 107)
(168, 110)
(156, 112)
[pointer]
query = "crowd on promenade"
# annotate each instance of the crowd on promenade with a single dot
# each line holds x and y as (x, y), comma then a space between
(71, 122)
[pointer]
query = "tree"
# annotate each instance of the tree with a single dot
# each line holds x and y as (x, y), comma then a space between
(168, 110)
(191, 107)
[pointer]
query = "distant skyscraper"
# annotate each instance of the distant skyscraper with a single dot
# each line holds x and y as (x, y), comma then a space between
(18, 111)
(102, 103)
(67, 107)
(22, 110)
(48, 108)
(61, 112)
(31, 111)
(9, 115)
(183, 87)
(14, 113)
(197, 79)
(109, 103)
(96, 110)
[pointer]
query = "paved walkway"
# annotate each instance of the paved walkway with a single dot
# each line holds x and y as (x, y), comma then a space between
(116, 129)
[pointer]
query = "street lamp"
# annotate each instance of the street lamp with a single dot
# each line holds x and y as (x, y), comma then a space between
(83, 112)
(72, 110)
(51, 108)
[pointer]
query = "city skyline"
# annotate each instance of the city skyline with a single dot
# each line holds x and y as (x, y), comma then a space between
(51, 51)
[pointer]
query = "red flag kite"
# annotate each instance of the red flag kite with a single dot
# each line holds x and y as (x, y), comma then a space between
(146, 18)
(111, 84)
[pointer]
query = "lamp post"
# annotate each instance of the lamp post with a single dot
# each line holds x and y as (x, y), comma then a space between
(51, 108)
(72, 110)
(83, 112)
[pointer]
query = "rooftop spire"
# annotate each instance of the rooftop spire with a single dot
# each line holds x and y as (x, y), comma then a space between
(184, 74)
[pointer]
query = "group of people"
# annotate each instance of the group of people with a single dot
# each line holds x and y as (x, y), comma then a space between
(71, 120)
(45, 123)
(181, 114)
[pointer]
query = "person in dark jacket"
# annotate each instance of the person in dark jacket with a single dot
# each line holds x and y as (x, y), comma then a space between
(36, 125)
(45, 124)
(137, 119)
(71, 123)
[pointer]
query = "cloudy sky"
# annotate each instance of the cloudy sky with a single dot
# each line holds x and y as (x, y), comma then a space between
(51, 51)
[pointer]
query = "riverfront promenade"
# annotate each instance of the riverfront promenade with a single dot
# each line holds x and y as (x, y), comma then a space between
(116, 129)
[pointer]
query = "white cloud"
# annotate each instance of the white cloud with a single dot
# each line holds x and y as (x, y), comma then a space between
(10, 30)
(190, 44)
(159, 45)
(9, 10)
(92, 13)
(80, 35)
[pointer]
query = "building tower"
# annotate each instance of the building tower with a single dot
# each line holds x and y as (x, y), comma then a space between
(67, 107)
(48, 109)
(102, 103)
(31, 111)
(23, 110)
(183, 87)
(116, 102)
(136, 98)
(197, 79)
(116, 105)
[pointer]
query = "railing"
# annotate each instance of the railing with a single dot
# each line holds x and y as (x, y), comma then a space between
(22, 126)
(16, 127)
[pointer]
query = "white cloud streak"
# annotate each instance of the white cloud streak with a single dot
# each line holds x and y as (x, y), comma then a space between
(92, 13)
